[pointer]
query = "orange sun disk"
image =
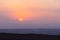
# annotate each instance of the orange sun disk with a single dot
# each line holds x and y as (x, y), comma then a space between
(21, 19)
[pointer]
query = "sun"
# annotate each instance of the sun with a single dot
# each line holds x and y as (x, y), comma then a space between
(20, 19)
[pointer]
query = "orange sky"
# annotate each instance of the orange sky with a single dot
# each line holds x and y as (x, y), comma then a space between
(20, 8)
(39, 11)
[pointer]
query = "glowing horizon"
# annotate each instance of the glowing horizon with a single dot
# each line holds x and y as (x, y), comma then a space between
(39, 13)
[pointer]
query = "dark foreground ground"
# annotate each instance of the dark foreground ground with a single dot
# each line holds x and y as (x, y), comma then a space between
(9, 36)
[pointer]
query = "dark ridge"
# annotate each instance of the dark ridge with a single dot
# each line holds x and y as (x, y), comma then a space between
(11, 36)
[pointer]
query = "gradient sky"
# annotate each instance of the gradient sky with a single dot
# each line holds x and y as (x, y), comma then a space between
(35, 14)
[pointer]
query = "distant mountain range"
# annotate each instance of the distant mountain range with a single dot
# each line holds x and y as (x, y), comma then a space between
(33, 31)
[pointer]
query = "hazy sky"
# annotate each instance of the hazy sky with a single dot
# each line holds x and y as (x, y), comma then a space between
(34, 13)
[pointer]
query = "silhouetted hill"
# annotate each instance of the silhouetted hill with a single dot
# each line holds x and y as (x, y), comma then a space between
(11, 36)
